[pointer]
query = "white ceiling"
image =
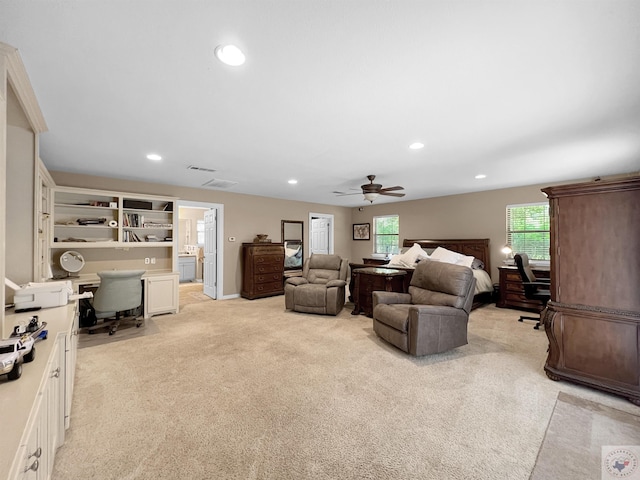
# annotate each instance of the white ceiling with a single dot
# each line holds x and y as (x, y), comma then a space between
(525, 92)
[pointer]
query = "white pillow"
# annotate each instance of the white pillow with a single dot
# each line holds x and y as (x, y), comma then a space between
(466, 261)
(394, 259)
(408, 258)
(424, 255)
(447, 256)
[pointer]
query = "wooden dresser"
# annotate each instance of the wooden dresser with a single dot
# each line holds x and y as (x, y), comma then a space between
(262, 270)
(512, 292)
(593, 318)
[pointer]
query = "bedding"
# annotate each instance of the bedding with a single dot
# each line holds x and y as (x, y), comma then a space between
(483, 280)
(471, 252)
(415, 254)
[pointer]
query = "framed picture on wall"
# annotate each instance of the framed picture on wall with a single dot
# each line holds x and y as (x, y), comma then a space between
(361, 231)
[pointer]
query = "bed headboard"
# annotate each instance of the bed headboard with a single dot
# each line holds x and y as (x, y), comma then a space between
(477, 247)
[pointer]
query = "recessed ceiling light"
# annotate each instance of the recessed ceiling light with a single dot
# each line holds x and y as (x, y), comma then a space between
(230, 55)
(293, 181)
(416, 146)
(154, 156)
(481, 175)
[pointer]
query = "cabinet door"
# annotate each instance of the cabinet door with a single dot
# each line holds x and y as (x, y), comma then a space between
(160, 295)
(70, 355)
(31, 458)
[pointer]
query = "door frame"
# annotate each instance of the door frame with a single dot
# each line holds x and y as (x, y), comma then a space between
(219, 207)
(331, 219)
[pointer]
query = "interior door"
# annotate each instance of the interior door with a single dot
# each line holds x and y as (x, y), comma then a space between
(320, 235)
(209, 266)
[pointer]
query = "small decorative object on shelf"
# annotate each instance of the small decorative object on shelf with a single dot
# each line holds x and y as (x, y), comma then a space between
(261, 238)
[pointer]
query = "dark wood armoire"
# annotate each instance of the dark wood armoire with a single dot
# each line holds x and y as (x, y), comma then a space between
(593, 318)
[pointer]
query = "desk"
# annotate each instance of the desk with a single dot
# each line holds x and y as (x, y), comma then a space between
(368, 280)
(160, 290)
(511, 293)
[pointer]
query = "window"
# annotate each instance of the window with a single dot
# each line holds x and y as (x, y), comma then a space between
(200, 231)
(386, 234)
(528, 229)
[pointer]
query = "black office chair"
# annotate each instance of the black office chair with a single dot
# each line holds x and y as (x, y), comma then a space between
(534, 288)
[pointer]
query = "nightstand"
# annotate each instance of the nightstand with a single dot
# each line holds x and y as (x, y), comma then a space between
(369, 280)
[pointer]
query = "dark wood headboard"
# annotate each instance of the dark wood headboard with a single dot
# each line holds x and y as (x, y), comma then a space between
(477, 247)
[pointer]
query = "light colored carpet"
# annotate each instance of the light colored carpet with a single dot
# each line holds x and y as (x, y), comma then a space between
(192, 293)
(578, 429)
(240, 389)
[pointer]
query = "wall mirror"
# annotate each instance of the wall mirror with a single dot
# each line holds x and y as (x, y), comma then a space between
(292, 237)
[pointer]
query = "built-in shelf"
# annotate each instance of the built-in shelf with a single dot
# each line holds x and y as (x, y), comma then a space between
(125, 220)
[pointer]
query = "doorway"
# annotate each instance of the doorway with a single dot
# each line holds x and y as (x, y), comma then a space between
(320, 233)
(202, 240)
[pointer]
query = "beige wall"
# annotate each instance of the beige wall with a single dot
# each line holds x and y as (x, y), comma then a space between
(244, 216)
(471, 215)
(20, 173)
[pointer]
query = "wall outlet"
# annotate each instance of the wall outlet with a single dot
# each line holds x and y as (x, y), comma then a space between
(153, 260)
(147, 261)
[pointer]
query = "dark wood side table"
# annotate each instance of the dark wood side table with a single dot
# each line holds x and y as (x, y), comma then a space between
(375, 261)
(371, 279)
(512, 292)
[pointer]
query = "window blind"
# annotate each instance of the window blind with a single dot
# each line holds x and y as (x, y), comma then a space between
(528, 230)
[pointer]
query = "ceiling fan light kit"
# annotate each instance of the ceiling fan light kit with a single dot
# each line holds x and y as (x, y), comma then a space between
(230, 55)
(370, 196)
(371, 190)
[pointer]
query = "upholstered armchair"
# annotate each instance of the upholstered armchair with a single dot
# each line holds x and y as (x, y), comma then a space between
(321, 287)
(433, 316)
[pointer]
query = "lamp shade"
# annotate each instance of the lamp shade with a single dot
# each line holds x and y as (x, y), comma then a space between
(371, 196)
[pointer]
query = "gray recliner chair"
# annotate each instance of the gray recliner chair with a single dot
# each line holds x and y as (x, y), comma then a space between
(119, 294)
(321, 288)
(433, 316)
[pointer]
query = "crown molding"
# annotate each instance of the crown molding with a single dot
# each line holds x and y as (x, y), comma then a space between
(17, 77)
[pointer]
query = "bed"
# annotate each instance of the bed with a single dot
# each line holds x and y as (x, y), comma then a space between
(478, 248)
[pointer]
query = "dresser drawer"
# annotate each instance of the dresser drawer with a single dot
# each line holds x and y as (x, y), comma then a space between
(514, 287)
(272, 287)
(268, 259)
(267, 268)
(269, 277)
(513, 276)
(267, 250)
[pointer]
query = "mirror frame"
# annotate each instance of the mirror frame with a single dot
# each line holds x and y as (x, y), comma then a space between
(301, 240)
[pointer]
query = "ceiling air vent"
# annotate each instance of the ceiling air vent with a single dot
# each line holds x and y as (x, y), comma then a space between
(200, 169)
(217, 183)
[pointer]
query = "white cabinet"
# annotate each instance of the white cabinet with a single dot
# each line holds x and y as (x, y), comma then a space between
(187, 268)
(70, 355)
(31, 456)
(35, 460)
(34, 407)
(160, 294)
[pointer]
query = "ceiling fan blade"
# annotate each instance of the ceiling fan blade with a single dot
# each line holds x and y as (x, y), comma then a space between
(389, 189)
(391, 194)
(342, 194)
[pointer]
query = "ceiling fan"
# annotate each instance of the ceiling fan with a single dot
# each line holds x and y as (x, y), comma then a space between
(372, 190)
